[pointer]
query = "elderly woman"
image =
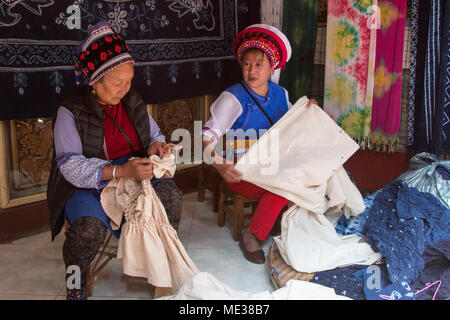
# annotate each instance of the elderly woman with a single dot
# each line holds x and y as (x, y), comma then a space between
(96, 130)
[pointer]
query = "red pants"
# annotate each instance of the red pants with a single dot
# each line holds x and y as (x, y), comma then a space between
(267, 211)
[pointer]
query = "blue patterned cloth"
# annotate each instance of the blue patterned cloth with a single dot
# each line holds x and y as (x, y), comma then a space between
(429, 109)
(441, 123)
(355, 225)
(401, 223)
(377, 285)
(346, 281)
(414, 29)
(417, 122)
(431, 67)
(437, 267)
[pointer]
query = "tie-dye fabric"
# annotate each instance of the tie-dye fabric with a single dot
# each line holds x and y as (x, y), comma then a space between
(349, 66)
(387, 94)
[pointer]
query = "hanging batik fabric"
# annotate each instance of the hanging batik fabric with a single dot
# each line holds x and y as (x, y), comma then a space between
(441, 124)
(420, 15)
(349, 66)
(414, 34)
(429, 125)
(181, 48)
(387, 94)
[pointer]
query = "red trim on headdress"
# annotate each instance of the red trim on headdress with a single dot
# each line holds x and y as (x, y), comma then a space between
(280, 42)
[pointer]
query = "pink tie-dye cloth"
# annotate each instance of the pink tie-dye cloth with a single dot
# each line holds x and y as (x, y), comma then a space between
(387, 94)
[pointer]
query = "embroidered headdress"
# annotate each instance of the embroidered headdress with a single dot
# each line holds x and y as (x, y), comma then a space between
(266, 38)
(101, 52)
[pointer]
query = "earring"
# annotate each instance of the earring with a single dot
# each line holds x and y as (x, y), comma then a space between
(93, 92)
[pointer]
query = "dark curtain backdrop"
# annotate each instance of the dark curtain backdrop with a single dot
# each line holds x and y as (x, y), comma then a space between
(299, 25)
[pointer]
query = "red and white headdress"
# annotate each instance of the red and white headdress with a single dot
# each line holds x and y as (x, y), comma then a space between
(266, 38)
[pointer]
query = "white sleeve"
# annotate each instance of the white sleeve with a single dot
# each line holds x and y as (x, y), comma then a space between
(289, 104)
(224, 112)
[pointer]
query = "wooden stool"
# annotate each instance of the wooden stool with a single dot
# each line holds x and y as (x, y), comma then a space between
(209, 178)
(237, 211)
(104, 255)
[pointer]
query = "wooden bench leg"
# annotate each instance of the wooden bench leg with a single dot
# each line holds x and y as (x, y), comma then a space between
(201, 185)
(161, 292)
(238, 218)
(222, 200)
(215, 200)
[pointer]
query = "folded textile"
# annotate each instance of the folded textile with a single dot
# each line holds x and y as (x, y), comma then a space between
(148, 244)
(309, 243)
(401, 223)
(427, 173)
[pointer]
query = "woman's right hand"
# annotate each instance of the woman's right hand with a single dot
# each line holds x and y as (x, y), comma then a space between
(139, 169)
(228, 172)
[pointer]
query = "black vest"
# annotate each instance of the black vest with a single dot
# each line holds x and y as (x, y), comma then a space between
(88, 117)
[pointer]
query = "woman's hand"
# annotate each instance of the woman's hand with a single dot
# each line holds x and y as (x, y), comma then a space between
(137, 168)
(311, 102)
(160, 149)
(228, 171)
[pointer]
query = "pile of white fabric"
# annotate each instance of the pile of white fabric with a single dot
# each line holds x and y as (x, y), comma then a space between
(309, 173)
(205, 286)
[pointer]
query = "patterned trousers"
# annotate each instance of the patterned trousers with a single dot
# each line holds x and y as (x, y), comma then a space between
(87, 234)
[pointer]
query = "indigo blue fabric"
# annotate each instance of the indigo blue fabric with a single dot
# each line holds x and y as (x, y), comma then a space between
(346, 281)
(437, 267)
(377, 284)
(355, 225)
(401, 223)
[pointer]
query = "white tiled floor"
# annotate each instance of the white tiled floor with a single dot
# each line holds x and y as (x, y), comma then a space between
(32, 267)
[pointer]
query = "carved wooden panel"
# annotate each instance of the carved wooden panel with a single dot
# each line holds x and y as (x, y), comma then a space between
(31, 152)
(178, 114)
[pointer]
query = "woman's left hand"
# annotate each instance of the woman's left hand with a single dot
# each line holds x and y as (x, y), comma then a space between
(160, 149)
